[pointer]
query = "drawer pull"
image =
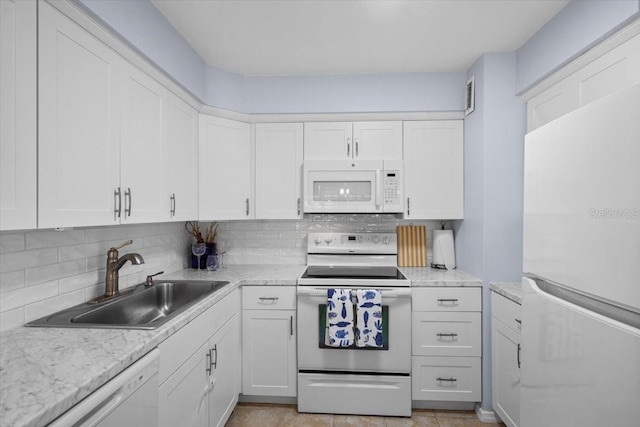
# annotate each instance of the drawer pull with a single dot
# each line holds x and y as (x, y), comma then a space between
(451, 380)
(447, 335)
(209, 364)
(518, 355)
(274, 299)
(518, 321)
(451, 300)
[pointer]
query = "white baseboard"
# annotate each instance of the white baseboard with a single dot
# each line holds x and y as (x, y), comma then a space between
(486, 416)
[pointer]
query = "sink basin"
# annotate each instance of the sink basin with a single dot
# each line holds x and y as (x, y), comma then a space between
(144, 308)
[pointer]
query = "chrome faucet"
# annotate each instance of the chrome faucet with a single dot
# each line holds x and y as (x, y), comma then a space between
(114, 264)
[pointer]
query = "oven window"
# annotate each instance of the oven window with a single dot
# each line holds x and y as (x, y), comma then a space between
(342, 191)
(322, 330)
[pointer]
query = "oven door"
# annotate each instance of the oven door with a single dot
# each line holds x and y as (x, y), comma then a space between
(395, 355)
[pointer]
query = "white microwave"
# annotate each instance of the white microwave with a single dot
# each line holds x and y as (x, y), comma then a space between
(353, 186)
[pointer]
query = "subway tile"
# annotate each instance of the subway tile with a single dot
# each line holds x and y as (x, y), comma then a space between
(11, 319)
(12, 281)
(287, 225)
(27, 259)
(93, 292)
(161, 240)
(12, 242)
(82, 251)
(81, 281)
(243, 226)
(28, 295)
(96, 262)
(46, 273)
(102, 234)
(39, 309)
(54, 239)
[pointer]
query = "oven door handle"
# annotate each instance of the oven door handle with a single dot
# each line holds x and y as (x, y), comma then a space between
(322, 292)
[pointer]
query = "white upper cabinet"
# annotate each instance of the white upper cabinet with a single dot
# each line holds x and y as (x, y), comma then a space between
(18, 114)
(278, 184)
(434, 169)
(617, 69)
(377, 140)
(143, 163)
(226, 169)
(182, 170)
(78, 121)
(358, 140)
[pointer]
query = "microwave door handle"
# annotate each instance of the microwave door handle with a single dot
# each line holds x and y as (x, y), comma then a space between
(378, 189)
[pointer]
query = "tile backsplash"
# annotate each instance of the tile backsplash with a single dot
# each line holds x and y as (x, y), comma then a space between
(44, 271)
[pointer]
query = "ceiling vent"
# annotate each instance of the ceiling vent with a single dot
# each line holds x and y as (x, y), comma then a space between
(469, 101)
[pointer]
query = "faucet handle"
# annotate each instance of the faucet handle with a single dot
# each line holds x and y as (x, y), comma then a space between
(149, 281)
(128, 242)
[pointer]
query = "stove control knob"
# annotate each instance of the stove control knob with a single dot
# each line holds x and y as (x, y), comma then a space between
(317, 240)
(376, 239)
(385, 240)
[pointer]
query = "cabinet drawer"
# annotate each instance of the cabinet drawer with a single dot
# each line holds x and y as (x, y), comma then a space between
(506, 311)
(446, 378)
(268, 297)
(447, 334)
(446, 299)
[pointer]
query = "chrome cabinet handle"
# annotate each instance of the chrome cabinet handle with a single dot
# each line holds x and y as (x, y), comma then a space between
(209, 362)
(447, 335)
(518, 355)
(117, 203)
(247, 206)
(173, 204)
(274, 299)
(451, 300)
(214, 363)
(408, 206)
(291, 326)
(298, 206)
(452, 380)
(348, 147)
(357, 147)
(127, 195)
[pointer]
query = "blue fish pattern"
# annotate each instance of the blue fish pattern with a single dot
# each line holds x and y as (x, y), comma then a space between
(368, 306)
(340, 325)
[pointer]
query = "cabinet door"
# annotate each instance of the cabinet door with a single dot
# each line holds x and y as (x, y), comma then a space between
(269, 366)
(225, 169)
(143, 163)
(78, 122)
(434, 182)
(328, 140)
(278, 155)
(377, 140)
(225, 345)
(184, 396)
(554, 102)
(18, 114)
(182, 169)
(505, 353)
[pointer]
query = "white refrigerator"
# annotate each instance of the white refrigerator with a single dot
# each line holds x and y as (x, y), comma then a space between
(581, 304)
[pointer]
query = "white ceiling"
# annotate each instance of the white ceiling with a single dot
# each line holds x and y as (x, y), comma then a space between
(294, 37)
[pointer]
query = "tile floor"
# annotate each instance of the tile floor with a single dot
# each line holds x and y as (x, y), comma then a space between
(264, 415)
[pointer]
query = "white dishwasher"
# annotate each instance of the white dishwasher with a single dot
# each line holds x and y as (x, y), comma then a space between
(129, 399)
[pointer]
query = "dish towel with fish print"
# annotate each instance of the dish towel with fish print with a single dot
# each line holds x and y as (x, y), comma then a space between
(369, 318)
(339, 318)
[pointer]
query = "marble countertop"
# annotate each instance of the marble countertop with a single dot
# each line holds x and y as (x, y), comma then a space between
(509, 290)
(427, 276)
(46, 371)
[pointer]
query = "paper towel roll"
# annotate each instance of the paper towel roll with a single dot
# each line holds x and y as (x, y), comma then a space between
(444, 255)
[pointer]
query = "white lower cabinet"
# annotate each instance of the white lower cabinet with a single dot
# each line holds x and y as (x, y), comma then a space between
(199, 370)
(446, 344)
(505, 354)
(269, 366)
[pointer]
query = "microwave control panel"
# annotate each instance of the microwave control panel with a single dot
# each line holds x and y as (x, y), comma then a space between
(392, 193)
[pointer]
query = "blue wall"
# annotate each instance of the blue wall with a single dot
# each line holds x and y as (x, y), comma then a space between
(577, 27)
(149, 32)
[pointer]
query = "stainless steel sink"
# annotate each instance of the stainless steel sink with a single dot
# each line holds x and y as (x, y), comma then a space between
(144, 308)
